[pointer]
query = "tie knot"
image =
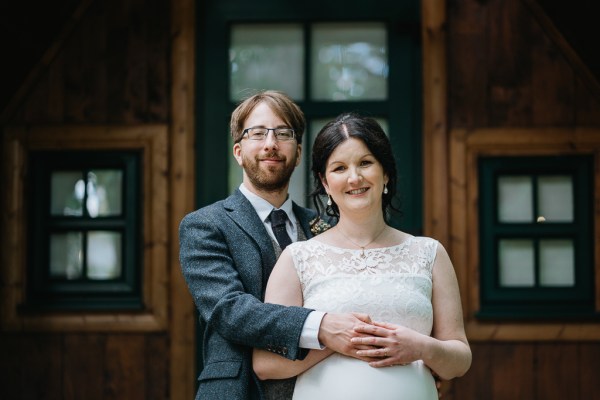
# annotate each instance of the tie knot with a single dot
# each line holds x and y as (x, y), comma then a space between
(278, 218)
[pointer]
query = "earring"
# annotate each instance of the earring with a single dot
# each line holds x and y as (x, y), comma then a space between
(329, 202)
(385, 189)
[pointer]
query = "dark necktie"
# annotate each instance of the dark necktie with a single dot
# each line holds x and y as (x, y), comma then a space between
(278, 219)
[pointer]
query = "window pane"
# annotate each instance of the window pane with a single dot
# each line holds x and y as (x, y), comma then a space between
(266, 57)
(67, 191)
(65, 255)
(515, 199)
(104, 255)
(349, 61)
(555, 198)
(516, 263)
(104, 192)
(557, 263)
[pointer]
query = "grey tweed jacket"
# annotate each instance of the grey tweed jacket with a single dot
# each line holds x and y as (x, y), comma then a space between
(226, 257)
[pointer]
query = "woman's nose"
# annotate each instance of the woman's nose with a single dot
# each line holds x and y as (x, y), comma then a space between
(354, 176)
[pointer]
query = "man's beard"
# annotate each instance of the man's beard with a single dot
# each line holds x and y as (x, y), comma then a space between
(270, 179)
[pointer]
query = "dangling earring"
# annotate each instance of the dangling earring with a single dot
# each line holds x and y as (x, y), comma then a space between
(329, 202)
(385, 189)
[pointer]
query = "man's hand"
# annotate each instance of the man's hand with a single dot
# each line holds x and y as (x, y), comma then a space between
(337, 330)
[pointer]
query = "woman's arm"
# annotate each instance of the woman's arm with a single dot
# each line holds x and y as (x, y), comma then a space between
(447, 351)
(284, 288)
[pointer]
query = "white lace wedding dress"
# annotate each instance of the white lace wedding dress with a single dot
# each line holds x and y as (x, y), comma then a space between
(391, 284)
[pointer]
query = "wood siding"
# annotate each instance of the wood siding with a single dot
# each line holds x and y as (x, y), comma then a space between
(491, 69)
(514, 87)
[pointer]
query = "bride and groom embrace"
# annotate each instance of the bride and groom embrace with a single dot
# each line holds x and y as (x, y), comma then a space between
(361, 310)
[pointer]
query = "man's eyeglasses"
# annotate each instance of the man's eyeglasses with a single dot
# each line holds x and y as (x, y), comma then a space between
(259, 134)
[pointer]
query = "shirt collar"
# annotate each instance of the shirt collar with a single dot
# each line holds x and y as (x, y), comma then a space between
(263, 207)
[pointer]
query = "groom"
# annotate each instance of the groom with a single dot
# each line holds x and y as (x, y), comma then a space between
(228, 249)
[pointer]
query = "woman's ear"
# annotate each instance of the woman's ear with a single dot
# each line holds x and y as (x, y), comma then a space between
(324, 183)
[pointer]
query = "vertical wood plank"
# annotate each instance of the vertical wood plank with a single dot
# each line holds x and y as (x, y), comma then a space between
(435, 129)
(12, 367)
(93, 55)
(552, 104)
(157, 359)
(557, 372)
(84, 366)
(589, 367)
(512, 372)
(509, 64)
(587, 106)
(475, 384)
(182, 179)
(124, 367)
(157, 45)
(467, 77)
(42, 363)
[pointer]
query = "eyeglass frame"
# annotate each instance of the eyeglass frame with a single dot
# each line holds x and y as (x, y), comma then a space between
(246, 133)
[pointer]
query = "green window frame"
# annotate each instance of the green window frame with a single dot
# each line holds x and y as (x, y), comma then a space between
(401, 109)
(536, 300)
(47, 291)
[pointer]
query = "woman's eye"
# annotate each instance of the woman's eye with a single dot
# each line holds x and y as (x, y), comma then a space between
(366, 162)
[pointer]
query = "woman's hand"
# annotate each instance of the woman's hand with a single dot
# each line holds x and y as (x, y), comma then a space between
(392, 344)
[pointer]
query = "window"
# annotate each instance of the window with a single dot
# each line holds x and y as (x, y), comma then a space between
(84, 230)
(537, 242)
(85, 241)
(366, 58)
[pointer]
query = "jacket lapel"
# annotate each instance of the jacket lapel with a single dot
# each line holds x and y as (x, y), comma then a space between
(244, 216)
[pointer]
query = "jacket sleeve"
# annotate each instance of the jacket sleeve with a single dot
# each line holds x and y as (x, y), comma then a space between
(224, 275)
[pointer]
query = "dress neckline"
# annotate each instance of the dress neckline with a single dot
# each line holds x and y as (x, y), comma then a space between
(401, 244)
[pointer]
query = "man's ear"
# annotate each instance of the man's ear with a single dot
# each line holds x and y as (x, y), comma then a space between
(237, 153)
(298, 155)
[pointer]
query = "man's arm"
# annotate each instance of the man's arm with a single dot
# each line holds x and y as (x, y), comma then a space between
(220, 288)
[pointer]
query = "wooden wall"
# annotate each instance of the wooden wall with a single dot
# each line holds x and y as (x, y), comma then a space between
(514, 83)
(489, 66)
(110, 65)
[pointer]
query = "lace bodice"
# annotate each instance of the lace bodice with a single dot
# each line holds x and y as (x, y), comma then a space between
(391, 284)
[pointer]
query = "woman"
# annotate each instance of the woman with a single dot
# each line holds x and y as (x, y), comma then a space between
(364, 265)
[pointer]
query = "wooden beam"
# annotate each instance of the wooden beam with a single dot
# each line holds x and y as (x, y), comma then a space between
(182, 178)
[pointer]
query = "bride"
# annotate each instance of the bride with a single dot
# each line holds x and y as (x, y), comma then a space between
(406, 284)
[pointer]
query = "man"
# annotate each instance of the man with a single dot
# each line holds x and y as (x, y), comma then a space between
(229, 248)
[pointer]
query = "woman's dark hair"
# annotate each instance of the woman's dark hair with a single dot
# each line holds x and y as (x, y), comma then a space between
(344, 127)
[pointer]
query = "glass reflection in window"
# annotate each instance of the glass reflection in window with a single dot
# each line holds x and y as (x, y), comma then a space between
(66, 257)
(516, 261)
(349, 61)
(555, 198)
(103, 255)
(557, 262)
(266, 56)
(515, 199)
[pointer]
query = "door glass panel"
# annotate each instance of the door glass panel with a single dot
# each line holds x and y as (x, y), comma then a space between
(555, 198)
(104, 193)
(516, 262)
(67, 190)
(557, 263)
(66, 258)
(515, 199)
(104, 255)
(349, 61)
(266, 56)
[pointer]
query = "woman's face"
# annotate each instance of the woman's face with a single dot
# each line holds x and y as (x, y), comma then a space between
(354, 178)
